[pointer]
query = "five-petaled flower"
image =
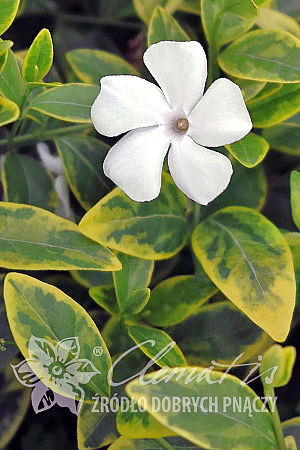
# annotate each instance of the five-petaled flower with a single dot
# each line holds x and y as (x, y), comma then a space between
(177, 114)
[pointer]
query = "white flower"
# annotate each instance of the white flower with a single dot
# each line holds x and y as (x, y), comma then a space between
(177, 114)
(54, 164)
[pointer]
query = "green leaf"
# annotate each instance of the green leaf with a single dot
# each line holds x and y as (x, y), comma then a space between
(277, 107)
(91, 65)
(91, 278)
(70, 102)
(95, 429)
(293, 239)
(225, 20)
(295, 197)
(26, 180)
(236, 429)
(285, 136)
(135, 275)
(83, 158)
(282, 359)
(250, 150)
(14, 402)
(40, 314)
(236, 247)
(263, 55)
(219, 332)
(152, 341)
(5, 46)
(291, 427)
(145, 8)
(163, 27)
(8, 11)
(3, 60)
(105, 297)
(137, 301)
(177, 443)
(11, 81)
(176, 298)
(248, 187)
(266, 91)
(140, 425)
(34, 239)
(9, 111)
(133, 227)
(249, 88)
(270, 19)
(39, 58)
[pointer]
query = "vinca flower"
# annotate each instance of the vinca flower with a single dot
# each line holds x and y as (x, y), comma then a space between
(176, 117)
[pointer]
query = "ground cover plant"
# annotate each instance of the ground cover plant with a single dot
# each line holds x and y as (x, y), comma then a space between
(149, 224)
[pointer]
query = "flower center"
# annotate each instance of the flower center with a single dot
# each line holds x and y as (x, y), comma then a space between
(182, 124)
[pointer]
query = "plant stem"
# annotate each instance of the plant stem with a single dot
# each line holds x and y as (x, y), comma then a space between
(269, 392)
(44, 135)
(164, 444)
(98, 21)
(213, 66)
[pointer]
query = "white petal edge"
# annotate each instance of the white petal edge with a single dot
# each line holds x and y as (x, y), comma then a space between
(201, 174)
(135, 163)
(221, 117)
(180, 68)
(128, 102)
(51, 162)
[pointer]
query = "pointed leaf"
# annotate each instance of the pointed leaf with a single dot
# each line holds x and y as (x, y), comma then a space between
(34, 239)
(37, 308)
(263, 55)
(176, 298)
(91, 65)
(153, 341)
(39, 58)
(83, 158)
(236, 247)
(236, 430)
(26, 180)
(8, 11)
(70, 102)
(250, 150)
(9, 111)
(131, 227)
(225, 20)
(163, 27)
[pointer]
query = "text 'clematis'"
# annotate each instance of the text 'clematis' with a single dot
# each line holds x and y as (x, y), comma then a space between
(177, 116)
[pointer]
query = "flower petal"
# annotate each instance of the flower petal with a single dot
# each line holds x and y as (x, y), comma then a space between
(180, 68)
(200, 173)
(127, 102)
(221, 116)
(63, 208)
(135, 162)
(51, 162)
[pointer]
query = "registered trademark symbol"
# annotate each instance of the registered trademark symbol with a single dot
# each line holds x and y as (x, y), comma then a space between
(97, 351)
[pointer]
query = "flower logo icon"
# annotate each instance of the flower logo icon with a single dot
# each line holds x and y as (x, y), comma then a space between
(60, 373)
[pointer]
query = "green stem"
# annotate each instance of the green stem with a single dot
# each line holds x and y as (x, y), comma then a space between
(90, 20)
(213, 66)
(164, 444)
(269, 392)
(44, 135)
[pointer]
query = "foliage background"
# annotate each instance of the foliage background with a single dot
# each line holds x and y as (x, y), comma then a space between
(113, 25)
